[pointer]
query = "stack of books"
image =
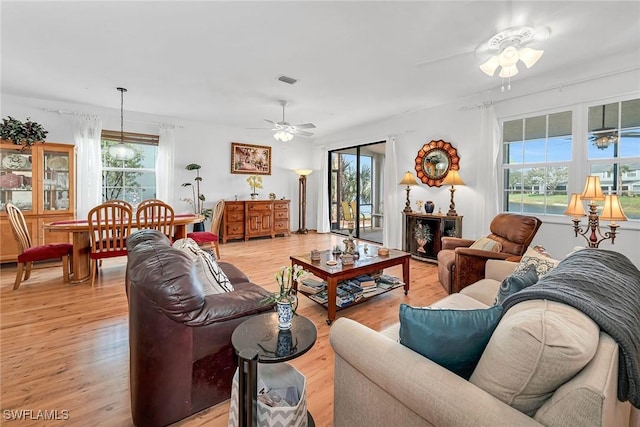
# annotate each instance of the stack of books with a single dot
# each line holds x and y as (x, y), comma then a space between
(311, 286)
(388, 282)
(321, 297)
(367, 283)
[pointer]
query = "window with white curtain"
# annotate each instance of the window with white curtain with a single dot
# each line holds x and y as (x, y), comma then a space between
(536, 160)
(131, 180)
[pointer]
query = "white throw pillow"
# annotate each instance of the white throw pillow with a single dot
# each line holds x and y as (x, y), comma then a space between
(538, 346)
(211, 276)
(486, 244)
(534, 259)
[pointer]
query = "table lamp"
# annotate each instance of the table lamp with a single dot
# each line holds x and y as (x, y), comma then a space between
(452, 178)
(409, 180)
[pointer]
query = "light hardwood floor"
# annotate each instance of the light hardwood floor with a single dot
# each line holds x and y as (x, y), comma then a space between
(65, 347)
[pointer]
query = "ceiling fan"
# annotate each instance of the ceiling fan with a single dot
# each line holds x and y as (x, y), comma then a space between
(284, 131)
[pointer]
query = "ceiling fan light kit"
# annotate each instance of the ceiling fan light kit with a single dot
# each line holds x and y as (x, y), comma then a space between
(507, 48)
(285, 131)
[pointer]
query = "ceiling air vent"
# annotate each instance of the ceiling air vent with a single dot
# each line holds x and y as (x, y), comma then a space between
(288, 80)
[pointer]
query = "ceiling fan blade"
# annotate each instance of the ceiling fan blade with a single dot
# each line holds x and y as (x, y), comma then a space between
(303, 133)
(305, 126)
(270, 121)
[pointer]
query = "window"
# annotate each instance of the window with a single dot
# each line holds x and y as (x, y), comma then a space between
(614, 151)
(131, 180)
(536, 159)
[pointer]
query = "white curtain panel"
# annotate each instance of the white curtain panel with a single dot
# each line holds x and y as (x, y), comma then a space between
(87, 130)
(487, 178)
(164, 163)
(323, 202)
(392, 230)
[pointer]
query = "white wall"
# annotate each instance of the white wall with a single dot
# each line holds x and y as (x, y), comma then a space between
(461, 126)
(206, 144)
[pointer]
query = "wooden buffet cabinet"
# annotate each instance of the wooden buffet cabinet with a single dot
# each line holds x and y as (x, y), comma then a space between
(245, 219)
(40, 181)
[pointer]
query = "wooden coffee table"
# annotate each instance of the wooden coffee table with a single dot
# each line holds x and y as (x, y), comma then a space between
(337, 273)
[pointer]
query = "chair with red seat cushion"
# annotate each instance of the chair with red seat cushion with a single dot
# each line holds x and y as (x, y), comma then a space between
(30, 254)
(109, 228)
(210, 238)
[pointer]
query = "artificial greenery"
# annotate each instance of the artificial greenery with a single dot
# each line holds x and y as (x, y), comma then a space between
(286, 277)
(198, 198)
(255, 182)
(19, 133)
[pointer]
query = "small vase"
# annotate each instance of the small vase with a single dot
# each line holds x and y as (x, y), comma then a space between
(254, 196)
(198, 226)
(429, 206)
(285, 314)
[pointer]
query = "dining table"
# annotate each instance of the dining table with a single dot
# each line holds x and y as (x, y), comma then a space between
(81, 239)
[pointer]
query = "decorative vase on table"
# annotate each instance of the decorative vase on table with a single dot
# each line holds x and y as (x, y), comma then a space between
(429, 206)
(285, 309)
(198, 226)
(254, 196)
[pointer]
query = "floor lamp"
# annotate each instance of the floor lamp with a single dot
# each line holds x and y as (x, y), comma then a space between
(302, 200)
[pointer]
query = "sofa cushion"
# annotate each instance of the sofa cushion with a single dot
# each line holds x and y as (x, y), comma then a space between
(454, 339)
(486, 244)
(484, 291)
(540, 262)
(537, 346)
(516, 282)
(209, 273)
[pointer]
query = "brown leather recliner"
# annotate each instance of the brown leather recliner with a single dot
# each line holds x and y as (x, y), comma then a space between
(181, 357)
(460, 266)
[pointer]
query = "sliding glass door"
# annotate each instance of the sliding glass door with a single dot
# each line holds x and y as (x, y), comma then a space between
(356, 191)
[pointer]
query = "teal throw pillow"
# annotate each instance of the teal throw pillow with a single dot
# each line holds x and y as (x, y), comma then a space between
(516, 282)
(454, 339)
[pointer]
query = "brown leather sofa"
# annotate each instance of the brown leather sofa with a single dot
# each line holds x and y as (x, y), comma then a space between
(459, 266)
(181, 357)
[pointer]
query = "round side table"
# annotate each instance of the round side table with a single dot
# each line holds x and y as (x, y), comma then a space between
(258, 340)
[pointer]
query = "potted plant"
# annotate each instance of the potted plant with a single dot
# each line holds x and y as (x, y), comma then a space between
(285, 298)
(19, 133)
(198, 199)
(255, 182)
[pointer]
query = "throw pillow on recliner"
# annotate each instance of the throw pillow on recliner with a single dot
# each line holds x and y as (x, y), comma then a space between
(209, 273)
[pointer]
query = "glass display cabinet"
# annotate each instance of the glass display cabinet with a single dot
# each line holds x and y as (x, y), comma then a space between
(40, 181)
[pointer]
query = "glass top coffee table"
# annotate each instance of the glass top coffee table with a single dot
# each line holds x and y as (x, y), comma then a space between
(334, 274)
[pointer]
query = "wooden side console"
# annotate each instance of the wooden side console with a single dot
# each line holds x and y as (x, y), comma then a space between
(245, 219)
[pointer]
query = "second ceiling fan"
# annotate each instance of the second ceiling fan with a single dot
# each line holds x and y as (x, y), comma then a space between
(284, 131)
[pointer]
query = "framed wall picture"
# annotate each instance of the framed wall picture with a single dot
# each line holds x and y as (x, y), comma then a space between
(250, 159)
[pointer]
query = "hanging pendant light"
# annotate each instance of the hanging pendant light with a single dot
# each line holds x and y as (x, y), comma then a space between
(122, 151)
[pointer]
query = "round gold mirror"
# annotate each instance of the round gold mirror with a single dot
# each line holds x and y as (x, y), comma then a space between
(434, 160)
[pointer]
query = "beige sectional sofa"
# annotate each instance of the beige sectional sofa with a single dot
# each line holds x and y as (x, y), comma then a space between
(379, 382)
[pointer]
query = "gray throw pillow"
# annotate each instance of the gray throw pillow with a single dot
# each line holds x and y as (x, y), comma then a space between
(516, 282)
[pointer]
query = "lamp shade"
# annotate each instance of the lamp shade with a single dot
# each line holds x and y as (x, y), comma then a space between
(452, 178)
(490, 66)
(612, 211)
(408, 179)
(304, 172)
(530, 56)
(592, 189)
(575, 207)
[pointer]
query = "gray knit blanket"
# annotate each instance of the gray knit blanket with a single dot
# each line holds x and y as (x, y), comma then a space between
(605, 285)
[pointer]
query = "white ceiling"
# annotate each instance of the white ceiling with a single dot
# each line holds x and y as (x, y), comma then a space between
(357, 62)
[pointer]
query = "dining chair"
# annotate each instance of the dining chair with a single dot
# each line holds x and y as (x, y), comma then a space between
(157, 215)
(206, 239)
(121, 202)
(29, 253)
(109, 228)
